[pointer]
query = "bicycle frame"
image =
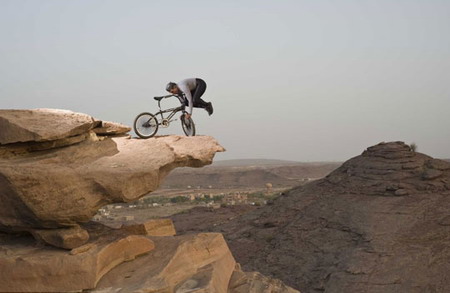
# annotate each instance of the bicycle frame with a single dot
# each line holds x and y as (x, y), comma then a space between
(172, 110)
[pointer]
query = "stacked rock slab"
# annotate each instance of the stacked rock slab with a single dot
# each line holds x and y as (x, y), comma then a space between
(27, 268)
(41, 125)
(380, 168)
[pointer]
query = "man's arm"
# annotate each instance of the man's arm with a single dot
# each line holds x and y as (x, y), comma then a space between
(188, 96)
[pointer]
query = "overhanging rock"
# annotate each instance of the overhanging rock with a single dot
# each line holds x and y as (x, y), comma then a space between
(66, 185)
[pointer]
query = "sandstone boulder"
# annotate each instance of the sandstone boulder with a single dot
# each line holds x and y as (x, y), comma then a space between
(155, 227)
(67, 238)
(108, 128)
(25, 131)
(191, 263)
(42, 125)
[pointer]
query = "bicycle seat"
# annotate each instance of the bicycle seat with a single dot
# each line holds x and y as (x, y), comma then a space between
(159, 98)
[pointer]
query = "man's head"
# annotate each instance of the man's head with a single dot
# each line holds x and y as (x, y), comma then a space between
(172, 88)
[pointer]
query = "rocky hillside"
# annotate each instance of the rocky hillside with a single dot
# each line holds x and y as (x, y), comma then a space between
(378, 223)
(57, 168)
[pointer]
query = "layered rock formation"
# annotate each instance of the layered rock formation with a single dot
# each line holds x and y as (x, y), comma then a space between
(60, 181)
(391, 169)
(57, 168)
(379, 223)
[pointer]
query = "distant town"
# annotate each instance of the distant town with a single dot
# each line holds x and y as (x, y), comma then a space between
(176, 201)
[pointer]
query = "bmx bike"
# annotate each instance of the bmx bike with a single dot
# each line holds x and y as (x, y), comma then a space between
(146, 124)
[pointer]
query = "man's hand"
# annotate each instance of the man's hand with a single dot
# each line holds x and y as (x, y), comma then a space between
(187, 116)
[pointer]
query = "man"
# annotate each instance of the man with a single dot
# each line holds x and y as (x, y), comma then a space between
(189, 91)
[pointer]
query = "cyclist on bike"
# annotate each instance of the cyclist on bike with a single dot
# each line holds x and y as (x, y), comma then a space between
(189, 91)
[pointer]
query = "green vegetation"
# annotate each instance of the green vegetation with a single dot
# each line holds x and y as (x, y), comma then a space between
(156, 199)
(260, 195)
(179, 199)
(257, 195)
(208, 198)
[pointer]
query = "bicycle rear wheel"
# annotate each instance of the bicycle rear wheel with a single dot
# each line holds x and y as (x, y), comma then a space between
(145, 125)
(188, 126)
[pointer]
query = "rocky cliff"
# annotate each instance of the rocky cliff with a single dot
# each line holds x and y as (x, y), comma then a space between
(57, 168)
(378, 223)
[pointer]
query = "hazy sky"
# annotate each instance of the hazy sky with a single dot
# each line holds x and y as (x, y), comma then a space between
(298, 80)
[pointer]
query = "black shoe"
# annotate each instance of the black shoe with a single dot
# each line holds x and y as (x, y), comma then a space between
(209, 109)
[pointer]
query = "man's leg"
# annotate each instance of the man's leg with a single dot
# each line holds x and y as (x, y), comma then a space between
(199, 91)
(196, 97)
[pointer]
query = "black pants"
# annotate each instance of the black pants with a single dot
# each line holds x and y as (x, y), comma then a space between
(198, 92)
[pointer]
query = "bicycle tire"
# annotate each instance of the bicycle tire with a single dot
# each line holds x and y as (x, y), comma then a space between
(188, 126)
(143, 130)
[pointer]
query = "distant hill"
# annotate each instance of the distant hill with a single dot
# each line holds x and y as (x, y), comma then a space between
(251, 162)
(249, 173)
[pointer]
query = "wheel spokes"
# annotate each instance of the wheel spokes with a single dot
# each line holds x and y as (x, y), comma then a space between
(146, 125)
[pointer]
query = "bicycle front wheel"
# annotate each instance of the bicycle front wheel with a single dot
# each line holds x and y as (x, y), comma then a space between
(188, 126)
(145, 125)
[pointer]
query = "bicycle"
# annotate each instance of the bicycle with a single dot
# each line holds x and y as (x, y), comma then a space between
(146, 124)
